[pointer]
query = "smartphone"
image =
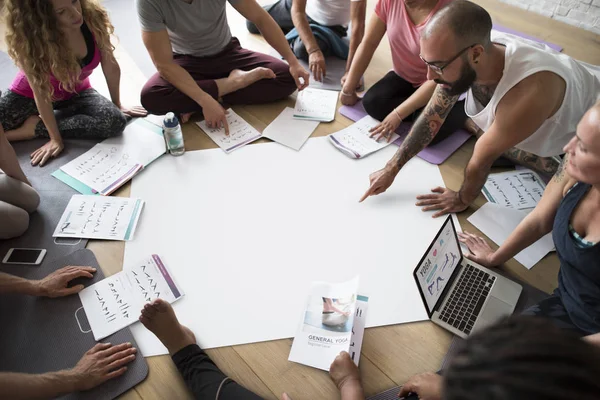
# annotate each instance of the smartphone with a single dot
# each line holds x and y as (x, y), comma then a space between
(24, 256)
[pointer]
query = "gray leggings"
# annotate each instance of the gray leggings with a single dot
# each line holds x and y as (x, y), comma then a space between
(87, 115)
(17, 200)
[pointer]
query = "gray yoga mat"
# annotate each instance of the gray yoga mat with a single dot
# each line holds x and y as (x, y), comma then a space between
(54, 196)
(41, 334)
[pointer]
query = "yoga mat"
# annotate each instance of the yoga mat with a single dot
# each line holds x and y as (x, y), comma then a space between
(54, 197)
(41, 334)
(392, 394)
(435, 154)
(529, 297)
(503, 29)
(8, 70)
(246, 233)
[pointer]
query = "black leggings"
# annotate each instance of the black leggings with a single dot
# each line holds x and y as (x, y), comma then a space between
(392, 90)
(205, 379)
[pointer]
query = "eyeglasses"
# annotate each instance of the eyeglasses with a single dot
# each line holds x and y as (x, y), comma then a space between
(440, 69)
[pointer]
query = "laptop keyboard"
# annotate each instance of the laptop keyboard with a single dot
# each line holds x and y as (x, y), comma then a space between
(465, 302)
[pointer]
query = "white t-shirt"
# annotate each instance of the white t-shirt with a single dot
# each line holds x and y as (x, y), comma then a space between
(330, 12)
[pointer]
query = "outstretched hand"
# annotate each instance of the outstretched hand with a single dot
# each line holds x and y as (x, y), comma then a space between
(380, 181)
(300, 75)
(50, 150)
(135, 111)
(443, 199)
(427, 386)
(102, 363)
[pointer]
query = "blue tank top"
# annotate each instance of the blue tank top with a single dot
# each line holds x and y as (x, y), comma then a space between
(579, 275)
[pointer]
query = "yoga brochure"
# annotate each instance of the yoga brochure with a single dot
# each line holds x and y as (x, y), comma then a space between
(520, 189)
(240, 133)
(316, 105)
(116, 302)
(110, 164)
(355, 141)
(333, 321)
(95, 217)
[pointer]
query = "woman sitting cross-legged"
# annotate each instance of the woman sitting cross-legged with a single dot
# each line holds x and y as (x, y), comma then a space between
(57, 44)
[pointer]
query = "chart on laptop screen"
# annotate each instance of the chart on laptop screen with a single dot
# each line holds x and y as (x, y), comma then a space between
(437, 267)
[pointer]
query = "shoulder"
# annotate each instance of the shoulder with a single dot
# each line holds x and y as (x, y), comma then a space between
(541, 92)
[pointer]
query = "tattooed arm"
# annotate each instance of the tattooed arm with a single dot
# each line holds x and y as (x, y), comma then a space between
(424, 130)
(535, 225)
(545, 165)
(422, 133)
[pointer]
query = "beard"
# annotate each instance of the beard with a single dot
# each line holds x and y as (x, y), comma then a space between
(463, 83)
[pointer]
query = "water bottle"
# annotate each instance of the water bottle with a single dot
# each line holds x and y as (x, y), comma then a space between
(173, 135)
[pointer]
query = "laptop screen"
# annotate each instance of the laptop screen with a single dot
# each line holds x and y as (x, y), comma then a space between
(438, 264)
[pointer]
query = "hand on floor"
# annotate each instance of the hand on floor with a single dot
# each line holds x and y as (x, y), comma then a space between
(300, 75)
(56, 284)
(135, 111)
(46, 152)
(317, 65)
(101, 363)
(443, 199)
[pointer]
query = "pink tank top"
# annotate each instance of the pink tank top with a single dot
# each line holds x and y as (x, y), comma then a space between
(20, 84)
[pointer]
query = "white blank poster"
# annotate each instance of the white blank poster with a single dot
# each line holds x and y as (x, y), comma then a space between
(245, 235)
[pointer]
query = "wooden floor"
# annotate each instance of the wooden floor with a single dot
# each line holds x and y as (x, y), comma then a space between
(390, 354)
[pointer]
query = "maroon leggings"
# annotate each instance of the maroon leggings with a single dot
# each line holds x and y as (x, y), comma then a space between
(160, 97)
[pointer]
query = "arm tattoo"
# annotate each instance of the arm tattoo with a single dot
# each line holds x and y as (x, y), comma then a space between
(545, 165)
(562, 170)
(427, 126)
(483, 94)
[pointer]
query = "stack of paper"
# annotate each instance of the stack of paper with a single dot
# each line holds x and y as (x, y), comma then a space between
(333, 321)
(94, 217)
(112, 163)
(240, 133)
(498, 222)
(288, 131)
(116, 302)
(316, 105)
(355, 141)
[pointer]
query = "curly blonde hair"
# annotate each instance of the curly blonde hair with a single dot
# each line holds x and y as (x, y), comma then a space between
(40, 48)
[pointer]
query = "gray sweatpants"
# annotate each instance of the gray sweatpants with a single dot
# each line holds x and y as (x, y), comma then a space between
(17, 200)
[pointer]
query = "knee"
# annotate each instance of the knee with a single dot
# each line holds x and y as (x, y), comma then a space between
(252, 27)
(299, 50)
(374, 105)
(152, 98)
(17, 222)
(31, 200)
(115, 121)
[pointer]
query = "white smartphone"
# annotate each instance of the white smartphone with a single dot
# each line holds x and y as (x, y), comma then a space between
(24, 256)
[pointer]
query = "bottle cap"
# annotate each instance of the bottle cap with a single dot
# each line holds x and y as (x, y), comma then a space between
(170, 120)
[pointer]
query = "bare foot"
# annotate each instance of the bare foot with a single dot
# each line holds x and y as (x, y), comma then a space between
(242, 79)
(159, 318)
(185, 117)
(344, 373)
(25, 131)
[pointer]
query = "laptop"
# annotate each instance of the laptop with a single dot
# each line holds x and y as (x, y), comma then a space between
(460, 295)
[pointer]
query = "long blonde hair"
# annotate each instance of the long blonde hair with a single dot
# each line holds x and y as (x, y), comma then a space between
(40, 48)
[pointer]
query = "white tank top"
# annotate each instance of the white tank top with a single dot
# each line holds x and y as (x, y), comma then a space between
(524, 58)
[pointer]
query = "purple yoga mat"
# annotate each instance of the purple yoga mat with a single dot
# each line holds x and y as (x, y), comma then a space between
(436, 154)
(523, 35)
